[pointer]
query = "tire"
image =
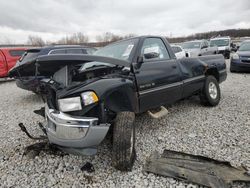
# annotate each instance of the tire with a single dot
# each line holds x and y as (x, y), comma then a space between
(210, 95)
(123, 154)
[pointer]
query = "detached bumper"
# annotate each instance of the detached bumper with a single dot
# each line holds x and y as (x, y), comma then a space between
(74, 132)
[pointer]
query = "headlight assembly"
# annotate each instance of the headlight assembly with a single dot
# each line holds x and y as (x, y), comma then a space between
(70, 104)
(89, 97)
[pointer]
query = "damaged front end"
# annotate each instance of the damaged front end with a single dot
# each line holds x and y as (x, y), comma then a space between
(76, 116)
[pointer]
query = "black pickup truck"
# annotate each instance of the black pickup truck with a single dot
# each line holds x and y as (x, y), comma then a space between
(87, 95)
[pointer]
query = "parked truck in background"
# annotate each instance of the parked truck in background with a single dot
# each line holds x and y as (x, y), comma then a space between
(199, 48)
(8, 59)
(223, 44)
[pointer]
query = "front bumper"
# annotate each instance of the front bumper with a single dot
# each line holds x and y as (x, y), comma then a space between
(237, 65)
(74, 131)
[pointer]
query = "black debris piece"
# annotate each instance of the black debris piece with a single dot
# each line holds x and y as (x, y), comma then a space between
(40, 112)
(23, 128)
(197, 169)
(88, 167)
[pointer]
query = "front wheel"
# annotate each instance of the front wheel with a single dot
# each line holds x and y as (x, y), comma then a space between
(210, 95)
(124, 141)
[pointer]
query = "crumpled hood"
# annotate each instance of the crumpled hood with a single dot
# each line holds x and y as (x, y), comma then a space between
(47, 65)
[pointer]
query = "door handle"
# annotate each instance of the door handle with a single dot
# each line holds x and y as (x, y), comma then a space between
(174, 66)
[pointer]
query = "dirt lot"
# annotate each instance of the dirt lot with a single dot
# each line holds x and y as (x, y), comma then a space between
(222, 132)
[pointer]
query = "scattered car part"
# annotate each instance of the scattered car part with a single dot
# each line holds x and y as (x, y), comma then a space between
(194, 168)
(40, 112)
(88, 167)
(163, 112)
(23, 128)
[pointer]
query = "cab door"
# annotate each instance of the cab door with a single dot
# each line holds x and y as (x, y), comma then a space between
(158, 76)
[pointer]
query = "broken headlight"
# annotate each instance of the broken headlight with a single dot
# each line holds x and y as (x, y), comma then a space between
(89, 97)
(70, 104)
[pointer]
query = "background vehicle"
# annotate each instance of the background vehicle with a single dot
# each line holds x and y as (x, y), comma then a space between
(88, 94)
(199, 48)
(8, 58)
(224, 45)
(240, 61)
(179, 52)
(31, 82)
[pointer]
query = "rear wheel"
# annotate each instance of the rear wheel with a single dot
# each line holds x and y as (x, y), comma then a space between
(210, 95)
(124, 141)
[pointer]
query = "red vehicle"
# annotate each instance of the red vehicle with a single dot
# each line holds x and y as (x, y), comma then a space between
(8, 59)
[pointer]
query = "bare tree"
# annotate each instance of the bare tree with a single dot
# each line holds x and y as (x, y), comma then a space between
(76, 38)
(108, 37)
(35, 41)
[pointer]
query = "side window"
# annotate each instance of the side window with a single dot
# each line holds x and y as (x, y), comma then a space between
(62, 51)
(203, 45)
(16, 53)
(75, 51)
(154, 48)
(176, 49)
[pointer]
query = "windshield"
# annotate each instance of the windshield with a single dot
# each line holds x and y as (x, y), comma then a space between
(219, 42)
(245, 46)
(121, 50)
(190, 45)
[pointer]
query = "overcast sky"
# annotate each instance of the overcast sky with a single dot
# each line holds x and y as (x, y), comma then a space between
(52, 19)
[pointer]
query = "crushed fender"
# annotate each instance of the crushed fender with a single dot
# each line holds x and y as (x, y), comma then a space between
(197, 169)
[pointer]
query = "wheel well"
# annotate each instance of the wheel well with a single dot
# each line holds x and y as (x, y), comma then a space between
(213, 72)
(120, 100)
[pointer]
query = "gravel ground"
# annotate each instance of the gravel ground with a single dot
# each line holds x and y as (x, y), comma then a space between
(222, 133)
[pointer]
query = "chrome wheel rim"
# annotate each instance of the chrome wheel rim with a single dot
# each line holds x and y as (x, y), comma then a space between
(212, 89)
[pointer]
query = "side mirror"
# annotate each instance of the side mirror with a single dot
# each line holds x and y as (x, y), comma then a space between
(151, 55)
(139, 62)
(203, 47)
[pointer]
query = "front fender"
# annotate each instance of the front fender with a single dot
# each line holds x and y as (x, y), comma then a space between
(117, 94)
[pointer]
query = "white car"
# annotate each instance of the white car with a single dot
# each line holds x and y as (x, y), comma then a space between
(179, 52)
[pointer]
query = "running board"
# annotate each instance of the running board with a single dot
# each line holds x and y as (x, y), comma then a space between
(163, 112)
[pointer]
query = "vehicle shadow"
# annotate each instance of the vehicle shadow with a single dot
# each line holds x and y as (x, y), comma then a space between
(31, 97)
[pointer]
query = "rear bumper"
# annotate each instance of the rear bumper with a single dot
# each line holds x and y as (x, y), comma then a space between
(74, 132)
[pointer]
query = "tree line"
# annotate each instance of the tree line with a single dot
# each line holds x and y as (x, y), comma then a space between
(108, 37)
(234, 33)
(79, 38)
